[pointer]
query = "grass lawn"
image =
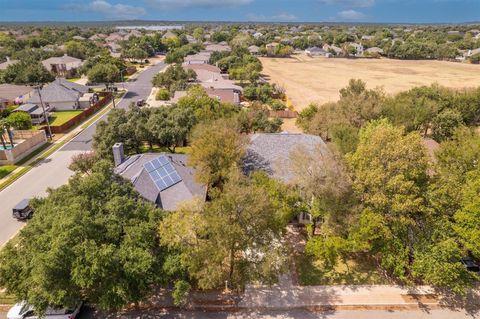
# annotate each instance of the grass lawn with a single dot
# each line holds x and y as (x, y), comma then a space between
(6, 169)
(73, 79)
(361, 271)
(60, 117)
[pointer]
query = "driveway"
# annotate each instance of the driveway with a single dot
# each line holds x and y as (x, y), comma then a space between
(53, 171)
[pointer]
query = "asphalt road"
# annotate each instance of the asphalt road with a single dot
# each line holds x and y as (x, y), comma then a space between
(139, 89)
(53, 171)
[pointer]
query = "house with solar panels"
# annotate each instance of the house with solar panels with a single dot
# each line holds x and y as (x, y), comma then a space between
(163, 179)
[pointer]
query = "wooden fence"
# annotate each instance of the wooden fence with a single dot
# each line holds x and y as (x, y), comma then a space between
(105, 98)
(287, 114)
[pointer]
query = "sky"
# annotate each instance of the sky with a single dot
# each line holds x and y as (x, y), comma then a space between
(374, 11)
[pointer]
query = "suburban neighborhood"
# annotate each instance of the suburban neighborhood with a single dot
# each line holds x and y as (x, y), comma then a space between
(268, 168)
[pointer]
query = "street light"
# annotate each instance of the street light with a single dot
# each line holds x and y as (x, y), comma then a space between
(38, 88)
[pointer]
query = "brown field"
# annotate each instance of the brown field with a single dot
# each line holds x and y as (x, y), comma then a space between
(308, 80)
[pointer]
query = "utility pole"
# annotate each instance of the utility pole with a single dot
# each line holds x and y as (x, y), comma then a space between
(38, 87)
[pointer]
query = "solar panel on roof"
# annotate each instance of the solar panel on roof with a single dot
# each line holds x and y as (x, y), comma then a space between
(162, 172)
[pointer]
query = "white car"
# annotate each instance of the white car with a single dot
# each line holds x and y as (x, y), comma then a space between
(22, 310)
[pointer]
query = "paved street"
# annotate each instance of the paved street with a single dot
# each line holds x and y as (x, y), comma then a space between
(52, 171)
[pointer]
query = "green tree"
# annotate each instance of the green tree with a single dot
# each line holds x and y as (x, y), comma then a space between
(104, 73)
(217, 149)
(234, 238)
(93, 238)
(27, 72)
(389, 176)
(20, 120)
(445, 124)
(467, 218)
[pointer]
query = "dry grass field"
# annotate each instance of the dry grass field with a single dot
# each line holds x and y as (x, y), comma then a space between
(308, 80)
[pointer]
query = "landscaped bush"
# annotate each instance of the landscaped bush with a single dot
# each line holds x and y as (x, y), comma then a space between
(20, 120)
(162, 95)
(278, 105)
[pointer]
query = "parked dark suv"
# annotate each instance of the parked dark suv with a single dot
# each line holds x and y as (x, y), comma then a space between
(470, 264)
(22, 211)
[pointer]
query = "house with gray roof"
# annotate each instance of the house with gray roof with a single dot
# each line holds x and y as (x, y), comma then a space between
(6, 64)
(163, 179)
(60, 95)
(273, 153)
(63, 66)
(35, 112)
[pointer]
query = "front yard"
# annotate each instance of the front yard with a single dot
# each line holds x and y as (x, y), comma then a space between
(61, 117)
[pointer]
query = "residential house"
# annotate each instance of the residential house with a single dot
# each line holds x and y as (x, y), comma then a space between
(14, 94)
(199, 58)
(273, 154)
(223, 95)
(35, 112)
(315, 51)
(6, 64)
(78, 38)
(169, 35)
(60, 95)
(333, 49)
(271, 47)
(220, 47)
(374, 51)
(471, 53)
(114, 37)
(359, 49)
(203, 66)
(163, 179)
(367, 37)
(254, 50)
(257, 35)
(97, 37)
(62, 66)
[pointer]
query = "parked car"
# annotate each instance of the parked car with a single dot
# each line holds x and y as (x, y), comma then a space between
(22, 310)
(22, 211)
(470, 264)
(141, 102)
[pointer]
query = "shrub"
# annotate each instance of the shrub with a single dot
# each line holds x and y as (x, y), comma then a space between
(180, 293)
(278, 105)
(20, 120)
(162, 95)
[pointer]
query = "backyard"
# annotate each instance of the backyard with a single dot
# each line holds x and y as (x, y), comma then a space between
(308, 80)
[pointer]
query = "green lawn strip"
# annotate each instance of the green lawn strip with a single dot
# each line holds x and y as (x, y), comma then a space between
(6, 169)
(73, 79)
(61, 117)
(357, 271)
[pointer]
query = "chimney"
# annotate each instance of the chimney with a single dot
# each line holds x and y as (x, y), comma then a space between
(118, 155)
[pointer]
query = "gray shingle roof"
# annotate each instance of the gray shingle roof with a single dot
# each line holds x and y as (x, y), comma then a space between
(168, 199)
(272, 152)
(60, 90)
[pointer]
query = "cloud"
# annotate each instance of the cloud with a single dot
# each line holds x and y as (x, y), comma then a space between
(175, 4)
(350, 15)
(113, 11)
(350, 3)
(281, 17)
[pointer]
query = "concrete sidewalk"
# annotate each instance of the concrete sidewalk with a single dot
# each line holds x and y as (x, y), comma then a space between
(295, 297)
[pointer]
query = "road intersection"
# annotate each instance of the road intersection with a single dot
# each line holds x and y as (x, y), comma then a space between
(53, 171)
